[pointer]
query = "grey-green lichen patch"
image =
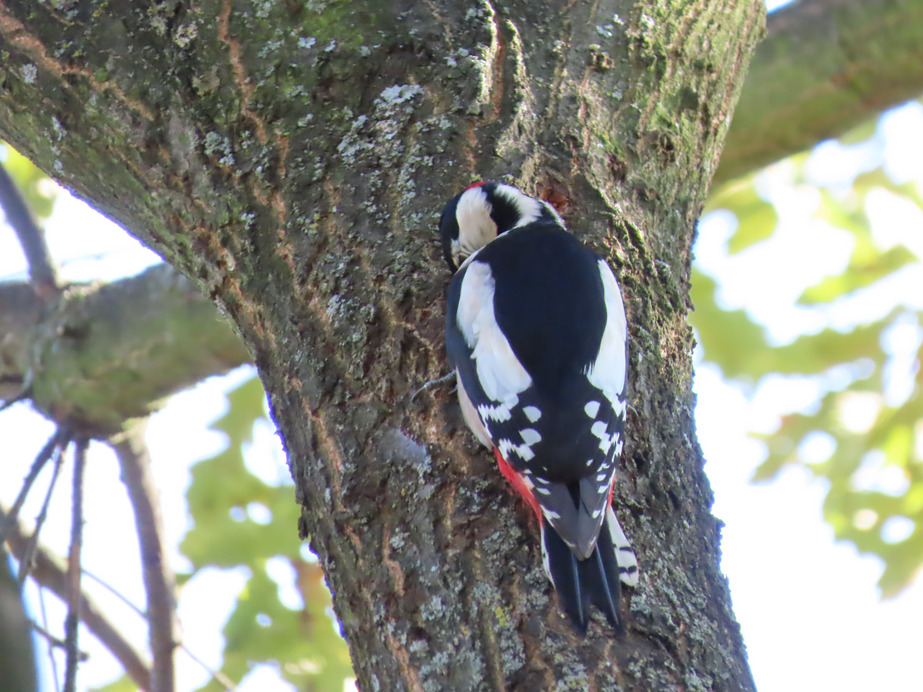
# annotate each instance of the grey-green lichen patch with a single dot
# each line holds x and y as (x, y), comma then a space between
(29, 72)
(432, 609)
(374, 138)
(185, 34)
(454, 666)
(696, 683)
(573, 677)
(490, 600)
(219, 146)
(397, 540)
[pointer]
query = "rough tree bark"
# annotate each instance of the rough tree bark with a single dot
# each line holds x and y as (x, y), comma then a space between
(292, 159)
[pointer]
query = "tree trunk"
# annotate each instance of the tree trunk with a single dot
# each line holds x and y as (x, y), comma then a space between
(292, 158)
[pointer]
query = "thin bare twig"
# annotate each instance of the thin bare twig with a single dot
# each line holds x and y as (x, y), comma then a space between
(217, 675)
(54, 641)
(48, 573)
(115, 592)
(72, 621)
(158, 577)
(26, 563)
(59, 438)
(54, 663)
(42, 274)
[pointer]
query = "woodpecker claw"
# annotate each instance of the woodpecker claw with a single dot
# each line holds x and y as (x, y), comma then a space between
(432, 383)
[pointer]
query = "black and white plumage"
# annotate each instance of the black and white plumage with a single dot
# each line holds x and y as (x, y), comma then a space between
(536, 332)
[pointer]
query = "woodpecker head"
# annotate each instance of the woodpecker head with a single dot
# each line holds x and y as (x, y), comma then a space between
(484, 211)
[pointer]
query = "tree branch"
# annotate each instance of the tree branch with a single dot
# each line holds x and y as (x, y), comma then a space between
(826, 66)
(59, 439)
(49, 573)
(74, 594)
(25, 565)
(56, 643)
(107, 353)
(158, 577)
(42, 273)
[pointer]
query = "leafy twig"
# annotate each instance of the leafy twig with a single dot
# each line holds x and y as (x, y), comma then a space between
(72, 621)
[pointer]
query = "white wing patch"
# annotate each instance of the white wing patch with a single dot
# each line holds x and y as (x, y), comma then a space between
(530, 436)
(500, 413)
(606, 440)
(608, 371)
(501, 375)
(523, 451)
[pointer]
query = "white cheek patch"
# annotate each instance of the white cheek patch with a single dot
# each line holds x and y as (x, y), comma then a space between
(475, 227)
(501, 375)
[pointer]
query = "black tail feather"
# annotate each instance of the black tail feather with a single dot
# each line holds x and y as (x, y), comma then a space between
(582, 582)
(564, 571)
(602, 579)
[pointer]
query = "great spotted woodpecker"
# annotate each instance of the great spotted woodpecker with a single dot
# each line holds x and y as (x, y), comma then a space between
(536, 332)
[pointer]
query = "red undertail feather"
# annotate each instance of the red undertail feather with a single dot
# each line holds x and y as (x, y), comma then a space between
(518, 483)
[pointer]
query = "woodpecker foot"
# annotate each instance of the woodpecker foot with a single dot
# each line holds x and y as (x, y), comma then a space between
(432, 383)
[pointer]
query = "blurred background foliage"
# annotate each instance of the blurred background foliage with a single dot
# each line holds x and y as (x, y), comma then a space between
(239, 520)
(38, 189)
(860, 430)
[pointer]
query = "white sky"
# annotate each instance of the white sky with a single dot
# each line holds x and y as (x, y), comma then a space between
(809, 609)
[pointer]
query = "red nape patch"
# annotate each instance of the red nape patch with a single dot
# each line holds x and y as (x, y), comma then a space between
(518, 483)
(470, 187)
